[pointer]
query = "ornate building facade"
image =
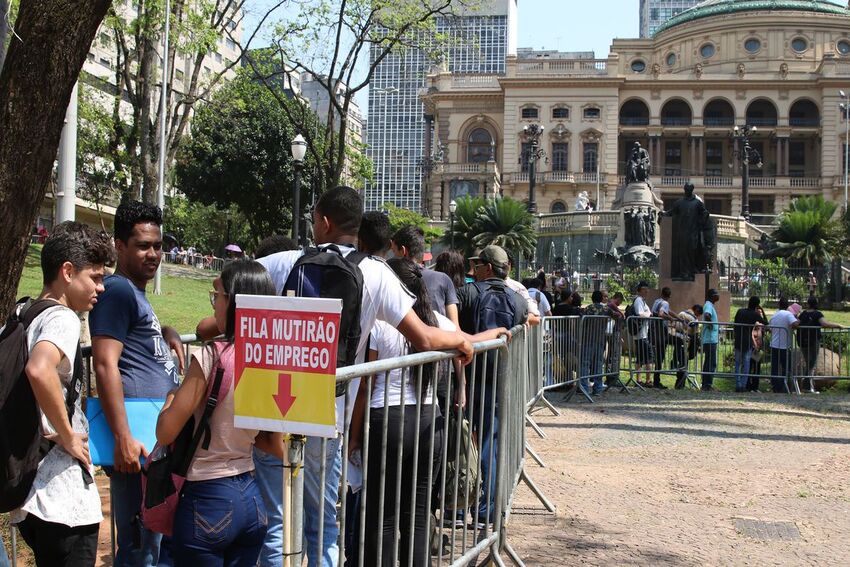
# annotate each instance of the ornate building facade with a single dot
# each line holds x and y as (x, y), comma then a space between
(778, 66)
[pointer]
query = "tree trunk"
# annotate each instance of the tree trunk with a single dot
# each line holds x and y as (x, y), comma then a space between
(4, 31)
(35, 86)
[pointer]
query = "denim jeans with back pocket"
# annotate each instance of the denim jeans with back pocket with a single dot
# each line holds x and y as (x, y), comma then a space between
(219, 522)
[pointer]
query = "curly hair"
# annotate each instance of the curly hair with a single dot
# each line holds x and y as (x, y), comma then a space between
(77, 243)
(128, 215)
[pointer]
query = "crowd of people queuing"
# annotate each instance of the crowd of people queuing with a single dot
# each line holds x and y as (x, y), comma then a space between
(231, 507)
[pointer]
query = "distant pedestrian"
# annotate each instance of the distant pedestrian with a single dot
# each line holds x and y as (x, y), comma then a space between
(658, 332)
(781, 325)
(685, 340)
(809, 336)
(537, 295)
(593, 327)
(644, 348)
(710, 338)
(745, 320)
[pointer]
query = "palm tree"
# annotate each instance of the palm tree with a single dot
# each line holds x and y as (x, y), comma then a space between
(465, 228)
(806, 231)
(506, 223)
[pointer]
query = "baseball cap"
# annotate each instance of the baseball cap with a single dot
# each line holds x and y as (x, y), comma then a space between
(494, 255)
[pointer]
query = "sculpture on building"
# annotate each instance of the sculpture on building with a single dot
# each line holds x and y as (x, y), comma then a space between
(583, 201)
(694, 237)
(637, 165)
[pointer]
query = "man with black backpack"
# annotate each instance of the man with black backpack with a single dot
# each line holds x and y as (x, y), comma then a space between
(488, 303)
(47, 475)
(370, 291)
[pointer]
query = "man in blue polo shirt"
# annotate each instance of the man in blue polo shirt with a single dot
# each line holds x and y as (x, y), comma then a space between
(710, 338)
(132, 359)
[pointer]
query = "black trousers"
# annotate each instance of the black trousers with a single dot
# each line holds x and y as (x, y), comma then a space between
(58, 545)
(659, 343)
(416, 526)
(680, 361)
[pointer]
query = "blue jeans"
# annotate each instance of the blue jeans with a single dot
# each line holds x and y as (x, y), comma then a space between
(219, 522)
(742, 368)
(592, 358)
(317, 497)
(268, 474)
(136, 546)
(4, 559)
(483, 402)
(709, 364)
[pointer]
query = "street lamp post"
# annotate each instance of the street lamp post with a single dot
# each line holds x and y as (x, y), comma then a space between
(845, 106)
(532, 133)
(299, 149)
(452, 209)
(747, 153)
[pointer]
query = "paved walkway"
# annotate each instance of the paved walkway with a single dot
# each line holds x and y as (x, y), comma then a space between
(663, 478)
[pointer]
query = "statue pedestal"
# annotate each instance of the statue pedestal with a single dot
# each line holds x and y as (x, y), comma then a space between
(686, 294)
(636, 195)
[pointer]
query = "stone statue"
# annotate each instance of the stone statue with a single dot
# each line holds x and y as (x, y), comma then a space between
(637, 165)
(693, 237)
(639, 227)
(582, 201)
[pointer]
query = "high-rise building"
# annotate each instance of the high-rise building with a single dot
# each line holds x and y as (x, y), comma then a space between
(397, 125)
(653, 13)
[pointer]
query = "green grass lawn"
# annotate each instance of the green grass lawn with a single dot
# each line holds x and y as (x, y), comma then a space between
(184, 301)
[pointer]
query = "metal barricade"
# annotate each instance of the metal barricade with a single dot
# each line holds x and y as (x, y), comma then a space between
(658, 347)
(825, 355)
(416, 495)
(412, 452)
(561, 339)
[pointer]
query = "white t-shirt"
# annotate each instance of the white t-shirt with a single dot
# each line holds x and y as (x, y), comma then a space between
(642, 310)
(389, 343)
(520, 289)
(540, 298)
(782, 319)
(384, 298)
(58, 493)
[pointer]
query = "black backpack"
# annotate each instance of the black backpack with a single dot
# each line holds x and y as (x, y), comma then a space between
(632, 323)
(21, 445)
(493, 307)
(327, 273)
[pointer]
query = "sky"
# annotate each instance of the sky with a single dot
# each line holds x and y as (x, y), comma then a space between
(565, 25)
(576, 25)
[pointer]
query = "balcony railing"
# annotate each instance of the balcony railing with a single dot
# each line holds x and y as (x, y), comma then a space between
(717, 181)
(522, 177)
(560, 177)
(804, 182)
(675, 121)
(761, 121)
(801, 121)
(674, 180)
(580, 220)
(461, 81)
(574, 67)
(634, 120)
(718, 120)
(469, 168)
(762, 182)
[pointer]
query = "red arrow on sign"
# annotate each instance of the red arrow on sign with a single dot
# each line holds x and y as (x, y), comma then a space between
(284, 398)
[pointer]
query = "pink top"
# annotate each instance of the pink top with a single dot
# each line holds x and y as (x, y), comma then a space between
(230, 450)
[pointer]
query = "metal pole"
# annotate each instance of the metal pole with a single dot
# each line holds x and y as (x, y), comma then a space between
(846, 147)
(296, 204)
(532, 158)
(296, 463)
(163, 113)
(745, 182)
(67, 176)
(452, 227)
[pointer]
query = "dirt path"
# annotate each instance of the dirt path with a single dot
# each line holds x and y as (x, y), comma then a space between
(690, 479)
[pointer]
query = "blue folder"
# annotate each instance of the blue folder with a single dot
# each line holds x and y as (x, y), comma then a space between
(142, 414)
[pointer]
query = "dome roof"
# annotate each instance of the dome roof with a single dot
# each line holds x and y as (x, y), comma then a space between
(716, 7)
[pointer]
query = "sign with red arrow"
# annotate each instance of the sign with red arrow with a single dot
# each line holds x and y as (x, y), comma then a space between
(285, 369)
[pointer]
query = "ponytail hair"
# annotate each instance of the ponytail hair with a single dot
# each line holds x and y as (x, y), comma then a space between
(410, 275)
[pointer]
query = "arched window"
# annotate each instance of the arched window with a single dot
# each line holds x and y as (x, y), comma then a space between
(478, 146)
(559, 207)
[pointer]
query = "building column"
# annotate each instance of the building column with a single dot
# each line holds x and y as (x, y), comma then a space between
(700, 156)
(786, 153)
(692, 155)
